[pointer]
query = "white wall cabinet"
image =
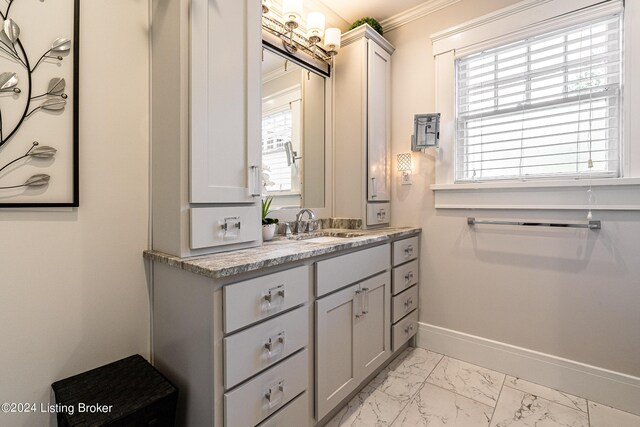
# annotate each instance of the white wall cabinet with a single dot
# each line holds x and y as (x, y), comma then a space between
(353, 339)
(378, 123)
(363, 126)
(206, 138)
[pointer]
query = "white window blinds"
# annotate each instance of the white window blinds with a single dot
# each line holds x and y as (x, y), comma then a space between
(544, 107)
(276, 133)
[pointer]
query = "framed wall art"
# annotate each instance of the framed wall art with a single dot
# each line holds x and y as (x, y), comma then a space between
(39, 71)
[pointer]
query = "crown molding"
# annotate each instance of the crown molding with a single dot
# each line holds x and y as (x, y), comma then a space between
(414, 13)
(488, 18)
(366, 31)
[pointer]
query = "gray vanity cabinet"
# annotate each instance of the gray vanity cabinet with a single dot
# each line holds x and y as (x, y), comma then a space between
(405, 299)
(352, 333)
(352, 324)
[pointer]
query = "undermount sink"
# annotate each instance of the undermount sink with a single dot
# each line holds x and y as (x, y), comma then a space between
(326, 236)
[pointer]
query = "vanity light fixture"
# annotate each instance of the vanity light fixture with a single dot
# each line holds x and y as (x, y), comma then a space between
(404, 167)
(288, 26)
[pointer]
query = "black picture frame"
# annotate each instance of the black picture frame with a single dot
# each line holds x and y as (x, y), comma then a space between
(75, 202)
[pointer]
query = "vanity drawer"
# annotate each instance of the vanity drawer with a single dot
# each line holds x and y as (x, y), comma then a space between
(221, 226)
(338, 272)
(254, 401)
(405, 250)
(405, 329)
(250, 301)
(405, 276)
(378, 213)
(295, 413)
(405, 303)
(250, 351)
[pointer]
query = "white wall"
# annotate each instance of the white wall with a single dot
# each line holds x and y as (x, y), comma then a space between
(73, 293)
(573, 294)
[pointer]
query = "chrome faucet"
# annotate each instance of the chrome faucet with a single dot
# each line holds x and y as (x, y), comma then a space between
(304, 226)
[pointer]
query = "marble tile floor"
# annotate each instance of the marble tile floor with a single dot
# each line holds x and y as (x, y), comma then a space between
(423, 388)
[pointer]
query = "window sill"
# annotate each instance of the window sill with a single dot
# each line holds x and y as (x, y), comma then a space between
(609, 193)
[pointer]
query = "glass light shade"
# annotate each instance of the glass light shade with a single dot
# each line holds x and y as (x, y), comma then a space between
(332, 38)
(266, 6)
(404, 162)
(292, 10)
(315, 24)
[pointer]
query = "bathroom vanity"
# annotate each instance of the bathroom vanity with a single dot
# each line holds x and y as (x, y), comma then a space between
(285, 333)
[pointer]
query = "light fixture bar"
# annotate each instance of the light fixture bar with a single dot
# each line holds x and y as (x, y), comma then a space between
(299, 41)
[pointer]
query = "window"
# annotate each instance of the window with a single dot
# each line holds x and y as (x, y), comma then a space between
(276, 135)
(281, 143)
(544, 107)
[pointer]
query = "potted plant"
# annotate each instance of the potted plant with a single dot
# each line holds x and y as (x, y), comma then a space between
(367, 20)
(268, 224)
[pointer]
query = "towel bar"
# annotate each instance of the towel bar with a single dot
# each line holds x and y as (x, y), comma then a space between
(591, 225)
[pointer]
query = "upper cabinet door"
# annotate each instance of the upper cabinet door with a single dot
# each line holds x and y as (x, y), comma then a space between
(225, 101)
(378, 123)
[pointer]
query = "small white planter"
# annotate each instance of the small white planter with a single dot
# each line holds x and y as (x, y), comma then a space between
(268, 231)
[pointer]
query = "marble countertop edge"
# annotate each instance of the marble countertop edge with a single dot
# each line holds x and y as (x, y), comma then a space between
(278, 252)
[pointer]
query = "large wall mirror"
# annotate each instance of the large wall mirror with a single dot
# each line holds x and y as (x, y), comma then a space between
(293, 133)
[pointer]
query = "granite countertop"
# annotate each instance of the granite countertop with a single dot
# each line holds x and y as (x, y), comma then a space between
(280, 250)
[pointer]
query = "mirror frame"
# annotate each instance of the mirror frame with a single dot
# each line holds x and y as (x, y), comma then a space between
(289, 214)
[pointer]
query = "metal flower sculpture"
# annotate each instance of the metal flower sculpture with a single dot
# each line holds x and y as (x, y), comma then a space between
(54, 99)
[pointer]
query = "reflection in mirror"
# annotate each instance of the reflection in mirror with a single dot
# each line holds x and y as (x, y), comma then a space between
(293, 133)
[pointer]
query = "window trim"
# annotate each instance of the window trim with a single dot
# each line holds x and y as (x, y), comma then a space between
(511, 24)
(528, 106)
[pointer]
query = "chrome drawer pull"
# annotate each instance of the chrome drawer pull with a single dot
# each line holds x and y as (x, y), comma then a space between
(408, 329)
(271, 392)
(231, 222)
(408, 303)
(408, 251)
(256, 177)
(408, 277)
(365, 309)
(358, 304)
(276, 341)
(272, 293)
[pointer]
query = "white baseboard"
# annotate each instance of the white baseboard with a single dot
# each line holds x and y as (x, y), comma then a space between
(599, 385)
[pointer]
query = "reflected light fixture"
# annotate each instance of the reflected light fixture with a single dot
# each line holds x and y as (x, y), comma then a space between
(404, 167)
(288, 26)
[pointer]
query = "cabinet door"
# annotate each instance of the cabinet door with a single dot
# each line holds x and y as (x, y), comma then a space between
(336, 373)
(373, 327)
(225, 101)
(378, 123)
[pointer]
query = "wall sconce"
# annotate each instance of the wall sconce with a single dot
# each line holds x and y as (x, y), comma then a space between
(404, 167)
(289, 28)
